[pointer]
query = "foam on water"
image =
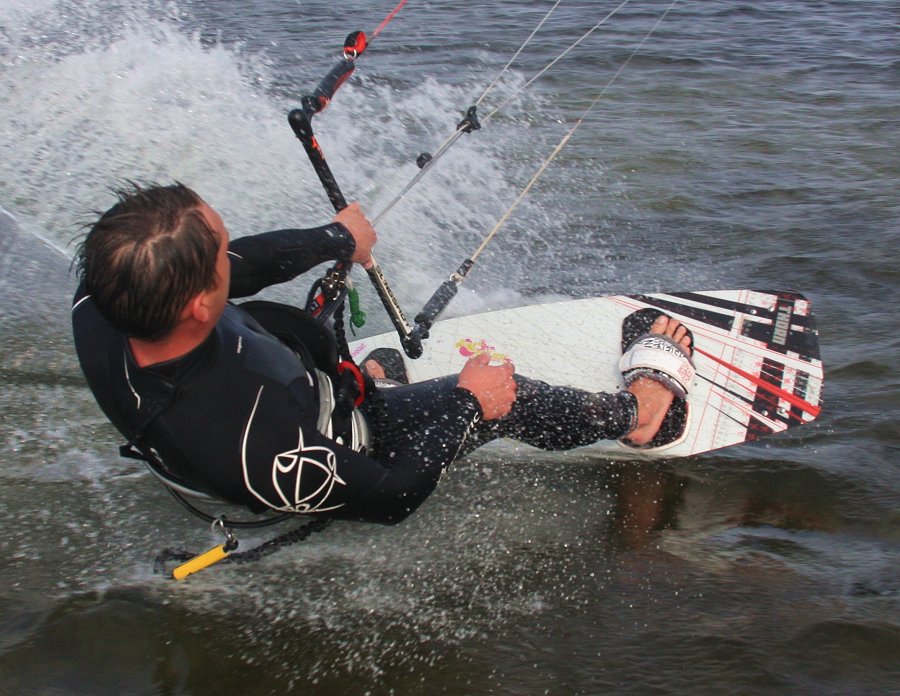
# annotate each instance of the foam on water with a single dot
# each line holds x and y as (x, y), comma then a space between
(98, 95)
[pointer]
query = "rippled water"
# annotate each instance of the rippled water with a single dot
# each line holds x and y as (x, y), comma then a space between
(746, 145)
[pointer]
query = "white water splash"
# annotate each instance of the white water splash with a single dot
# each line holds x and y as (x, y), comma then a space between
(99, 94)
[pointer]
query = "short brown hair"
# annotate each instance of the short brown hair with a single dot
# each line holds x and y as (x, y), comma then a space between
(147, 256)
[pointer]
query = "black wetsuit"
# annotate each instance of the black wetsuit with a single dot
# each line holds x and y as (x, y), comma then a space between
(239, 418)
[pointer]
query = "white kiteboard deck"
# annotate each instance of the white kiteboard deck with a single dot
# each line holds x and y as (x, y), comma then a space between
(756, 355)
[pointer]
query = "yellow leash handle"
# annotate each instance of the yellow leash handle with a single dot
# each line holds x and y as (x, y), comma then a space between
(211, 557)
(197, 563)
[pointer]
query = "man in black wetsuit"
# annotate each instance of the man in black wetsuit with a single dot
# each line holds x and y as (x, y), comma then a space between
(217, 402)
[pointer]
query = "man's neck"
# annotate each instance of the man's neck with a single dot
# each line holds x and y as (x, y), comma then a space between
(176, 345)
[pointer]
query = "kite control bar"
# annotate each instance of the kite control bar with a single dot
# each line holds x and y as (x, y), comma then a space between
(332, 287)
(328, 293)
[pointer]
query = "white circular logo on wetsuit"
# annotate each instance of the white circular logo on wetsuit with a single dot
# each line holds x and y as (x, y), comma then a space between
(312, 467)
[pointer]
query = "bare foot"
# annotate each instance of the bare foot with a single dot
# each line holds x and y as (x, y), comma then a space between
(374, 369)
(652, 397)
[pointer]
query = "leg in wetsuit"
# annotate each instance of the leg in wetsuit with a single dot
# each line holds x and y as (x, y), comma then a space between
(544, 416)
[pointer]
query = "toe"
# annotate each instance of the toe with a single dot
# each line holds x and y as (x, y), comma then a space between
(374, 369)
(659, 324)
(674, 329)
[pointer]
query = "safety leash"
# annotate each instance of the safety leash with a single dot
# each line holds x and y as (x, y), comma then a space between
(190, 563)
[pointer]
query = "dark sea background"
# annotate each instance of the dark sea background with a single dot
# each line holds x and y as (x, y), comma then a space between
(747, 144)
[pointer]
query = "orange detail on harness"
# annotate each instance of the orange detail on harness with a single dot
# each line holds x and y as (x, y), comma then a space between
(345, 365)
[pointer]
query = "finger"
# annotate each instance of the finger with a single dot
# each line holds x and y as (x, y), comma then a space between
(481, 359)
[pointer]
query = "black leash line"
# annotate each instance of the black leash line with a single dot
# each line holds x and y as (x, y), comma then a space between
(326, 298)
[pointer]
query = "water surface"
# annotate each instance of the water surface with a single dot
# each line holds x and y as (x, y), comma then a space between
(746, 145)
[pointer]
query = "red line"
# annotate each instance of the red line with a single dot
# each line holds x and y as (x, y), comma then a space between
(792, 399)
(386, 20)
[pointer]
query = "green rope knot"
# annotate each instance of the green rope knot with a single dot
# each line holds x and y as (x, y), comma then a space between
(357, 316)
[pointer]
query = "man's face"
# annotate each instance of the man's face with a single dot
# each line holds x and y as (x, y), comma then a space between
(219, 295)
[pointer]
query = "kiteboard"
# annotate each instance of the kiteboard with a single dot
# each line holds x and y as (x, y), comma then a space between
(756, 354)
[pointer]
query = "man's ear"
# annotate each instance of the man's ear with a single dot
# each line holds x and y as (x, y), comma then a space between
(198, 308)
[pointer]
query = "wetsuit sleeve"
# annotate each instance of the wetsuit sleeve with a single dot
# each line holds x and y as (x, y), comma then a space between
(275, 257)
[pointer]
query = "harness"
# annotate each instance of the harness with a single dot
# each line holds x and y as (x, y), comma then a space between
(340, 387)
(340, 384)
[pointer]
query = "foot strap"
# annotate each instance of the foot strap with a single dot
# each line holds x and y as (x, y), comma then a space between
(658, 357)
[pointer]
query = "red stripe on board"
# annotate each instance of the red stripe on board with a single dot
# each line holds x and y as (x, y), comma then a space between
(792, 399)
